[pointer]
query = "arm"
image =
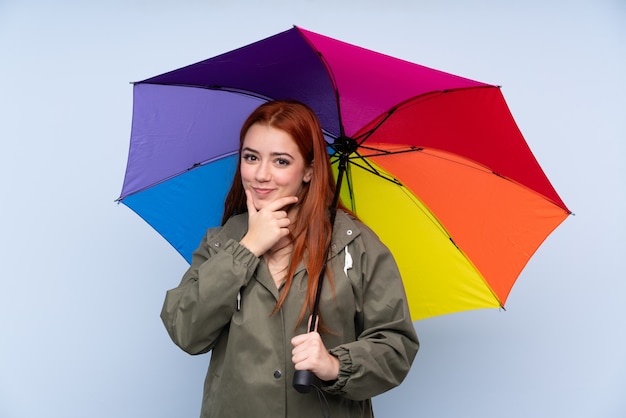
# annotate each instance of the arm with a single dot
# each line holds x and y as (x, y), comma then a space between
(386, 343)
(195, 312)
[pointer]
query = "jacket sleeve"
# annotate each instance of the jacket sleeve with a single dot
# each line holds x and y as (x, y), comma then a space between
(387, 343)
(195, 312)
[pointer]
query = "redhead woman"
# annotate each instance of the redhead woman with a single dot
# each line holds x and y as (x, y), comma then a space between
(251, 286)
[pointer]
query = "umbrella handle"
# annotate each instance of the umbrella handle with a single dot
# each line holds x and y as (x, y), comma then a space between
(303, 381)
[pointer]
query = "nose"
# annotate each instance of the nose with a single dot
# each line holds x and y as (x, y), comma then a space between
(262, 173)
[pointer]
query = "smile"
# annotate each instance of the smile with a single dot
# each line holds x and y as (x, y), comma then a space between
(262, 191)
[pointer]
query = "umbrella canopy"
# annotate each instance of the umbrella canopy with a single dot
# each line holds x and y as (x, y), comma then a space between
(437, 165)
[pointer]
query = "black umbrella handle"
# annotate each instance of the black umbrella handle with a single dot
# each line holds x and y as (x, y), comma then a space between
(304, 380)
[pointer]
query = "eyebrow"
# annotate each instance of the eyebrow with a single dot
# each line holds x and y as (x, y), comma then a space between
(273, 154)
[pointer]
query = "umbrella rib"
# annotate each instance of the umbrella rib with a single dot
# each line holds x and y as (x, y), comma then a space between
(365, 135)
(240, 91)
(333, 81)
(429, 215)
(171, 176)
(369, 168)
(382, 153)
(372, 170)
(214, 87)
(488, 171)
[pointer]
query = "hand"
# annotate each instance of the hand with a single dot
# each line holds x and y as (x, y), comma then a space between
(266, 226)
(309, 353)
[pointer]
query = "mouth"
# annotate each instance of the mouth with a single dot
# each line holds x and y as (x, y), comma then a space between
(261, 191)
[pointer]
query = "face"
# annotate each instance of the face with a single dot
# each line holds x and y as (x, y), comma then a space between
(271, 165)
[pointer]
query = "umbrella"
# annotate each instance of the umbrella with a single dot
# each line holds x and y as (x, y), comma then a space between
(436, 164)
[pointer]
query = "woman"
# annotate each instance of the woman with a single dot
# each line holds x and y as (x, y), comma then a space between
(251, 285)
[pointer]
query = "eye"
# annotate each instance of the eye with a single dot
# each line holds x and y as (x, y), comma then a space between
(282, 161)
(249, 157)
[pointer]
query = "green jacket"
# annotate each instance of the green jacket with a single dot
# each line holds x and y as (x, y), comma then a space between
(251, 373)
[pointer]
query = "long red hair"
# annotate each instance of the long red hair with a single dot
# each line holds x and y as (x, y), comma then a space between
(311, 232)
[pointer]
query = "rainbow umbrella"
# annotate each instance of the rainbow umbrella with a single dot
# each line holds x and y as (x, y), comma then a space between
(436, 164)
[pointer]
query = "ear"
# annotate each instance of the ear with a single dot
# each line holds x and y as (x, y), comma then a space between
(308, 174)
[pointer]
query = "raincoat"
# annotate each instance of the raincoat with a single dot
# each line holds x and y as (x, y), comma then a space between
(224, 303)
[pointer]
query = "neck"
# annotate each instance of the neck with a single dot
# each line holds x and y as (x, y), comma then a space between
(281, 249)
(277, 259)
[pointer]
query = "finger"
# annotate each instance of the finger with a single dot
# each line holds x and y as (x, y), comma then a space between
(302, 339)
(282, 221)
(299, 339)
(301, 351)
(250, 202)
